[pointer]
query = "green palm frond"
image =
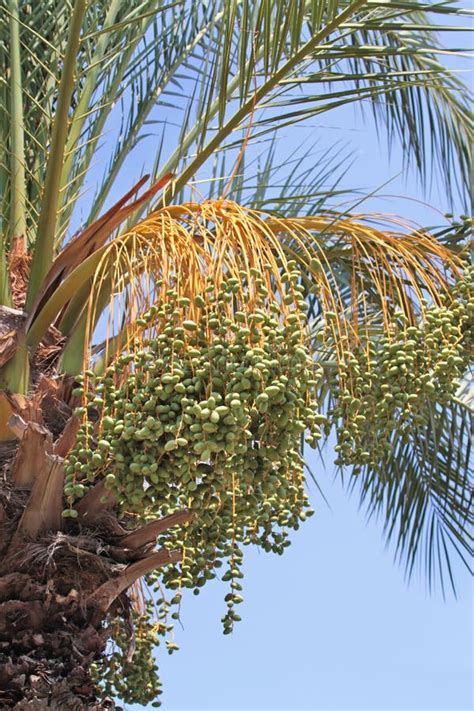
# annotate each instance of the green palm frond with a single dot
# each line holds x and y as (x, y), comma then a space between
(125, 50)
(268, 63)
(351, 56)
(422, 492)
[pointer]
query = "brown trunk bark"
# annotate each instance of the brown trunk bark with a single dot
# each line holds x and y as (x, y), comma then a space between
(44, 683)
(49, 632)
(63, 581)
(61, 698)
(61, 589)
(49, 568)
(58, 592)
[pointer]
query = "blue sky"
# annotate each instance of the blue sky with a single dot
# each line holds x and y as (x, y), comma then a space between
(332, 624)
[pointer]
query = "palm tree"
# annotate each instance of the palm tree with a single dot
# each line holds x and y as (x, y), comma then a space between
(159, 366)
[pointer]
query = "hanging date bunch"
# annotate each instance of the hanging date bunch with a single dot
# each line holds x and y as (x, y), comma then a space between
(383, 385)
(208, 416)
(203, 408)
(208, 383)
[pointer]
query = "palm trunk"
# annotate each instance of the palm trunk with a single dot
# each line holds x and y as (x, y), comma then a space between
(63, 582)
(50, 629)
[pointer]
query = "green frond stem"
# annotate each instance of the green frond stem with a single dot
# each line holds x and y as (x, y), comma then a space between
(45, 236)
(72, 175)
(72, 313)
(141, 117)
(15, 374)
(81, 110)
(17, 137)
(5, 294)
(72, 357)
(74, 325)
(61, 296)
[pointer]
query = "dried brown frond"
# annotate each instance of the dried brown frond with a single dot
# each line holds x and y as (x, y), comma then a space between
(189, 247)
(19, 268)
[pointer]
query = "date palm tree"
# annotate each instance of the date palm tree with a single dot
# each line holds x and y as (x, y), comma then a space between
(95, 298)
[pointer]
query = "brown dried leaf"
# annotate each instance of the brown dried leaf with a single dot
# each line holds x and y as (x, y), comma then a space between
(8, 346)
(19, 268)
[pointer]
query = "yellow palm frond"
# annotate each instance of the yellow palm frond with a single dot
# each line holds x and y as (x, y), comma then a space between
(193, 248)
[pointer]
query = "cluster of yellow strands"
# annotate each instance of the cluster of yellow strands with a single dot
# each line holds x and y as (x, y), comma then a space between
(349, 265)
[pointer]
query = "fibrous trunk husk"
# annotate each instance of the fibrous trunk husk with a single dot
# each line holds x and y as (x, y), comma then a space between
(62, 581)
(49, 632)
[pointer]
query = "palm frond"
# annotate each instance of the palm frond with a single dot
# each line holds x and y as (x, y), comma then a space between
(270, 64)
(353, 56)
(124, 49)
(422, 492)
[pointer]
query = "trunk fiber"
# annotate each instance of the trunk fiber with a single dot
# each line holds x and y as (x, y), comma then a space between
(49, 632)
